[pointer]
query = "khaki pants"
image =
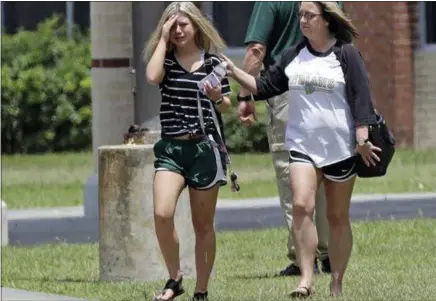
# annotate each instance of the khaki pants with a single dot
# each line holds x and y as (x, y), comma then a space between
(277, 116)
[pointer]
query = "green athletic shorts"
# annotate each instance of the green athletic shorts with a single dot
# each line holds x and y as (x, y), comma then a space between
(201, 164)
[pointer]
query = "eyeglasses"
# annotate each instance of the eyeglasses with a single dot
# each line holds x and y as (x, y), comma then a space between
(307, 15)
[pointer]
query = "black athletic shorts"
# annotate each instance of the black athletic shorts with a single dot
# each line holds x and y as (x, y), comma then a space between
(337, 172)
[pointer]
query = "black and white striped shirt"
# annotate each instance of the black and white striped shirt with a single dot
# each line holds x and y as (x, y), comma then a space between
(178, 110)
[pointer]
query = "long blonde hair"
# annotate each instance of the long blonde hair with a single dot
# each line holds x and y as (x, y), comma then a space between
(339, 25)
(206, 38)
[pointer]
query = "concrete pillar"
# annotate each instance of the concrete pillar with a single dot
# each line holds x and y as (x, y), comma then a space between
(112, 82)
(4, 225)
(128, 245)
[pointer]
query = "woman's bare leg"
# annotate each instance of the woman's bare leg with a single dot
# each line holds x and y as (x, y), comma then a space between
(305, 179)
(203, 204)
(167, 187)
(338, 196)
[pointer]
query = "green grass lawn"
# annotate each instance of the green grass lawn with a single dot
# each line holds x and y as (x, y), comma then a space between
(391, 260)
(57, 180)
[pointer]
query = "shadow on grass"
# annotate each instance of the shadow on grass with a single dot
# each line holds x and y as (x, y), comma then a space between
(255, 276)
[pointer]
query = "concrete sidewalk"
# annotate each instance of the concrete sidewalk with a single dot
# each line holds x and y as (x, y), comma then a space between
(70, 225)
(11, 294)
(78, 211)
(357, 198)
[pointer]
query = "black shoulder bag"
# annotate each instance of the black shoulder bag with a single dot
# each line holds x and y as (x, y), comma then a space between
(380, 136)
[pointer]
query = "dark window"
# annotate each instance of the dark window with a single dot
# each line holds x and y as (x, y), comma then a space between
(9, 22)
(28, 14)
(82, 15)
(231, 19)
(430, 22)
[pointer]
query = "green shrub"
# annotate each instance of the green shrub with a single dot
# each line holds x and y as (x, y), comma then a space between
(45, 90)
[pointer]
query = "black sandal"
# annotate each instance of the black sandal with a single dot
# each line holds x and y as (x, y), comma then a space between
(175, 286)
(199, 297)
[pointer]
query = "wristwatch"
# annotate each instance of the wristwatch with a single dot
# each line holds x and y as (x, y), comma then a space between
(219, 101)
(362, 142)
(243, 98)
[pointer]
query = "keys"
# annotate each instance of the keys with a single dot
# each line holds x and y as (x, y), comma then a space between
(234, 180)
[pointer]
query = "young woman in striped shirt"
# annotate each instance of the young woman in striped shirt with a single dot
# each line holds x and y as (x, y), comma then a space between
(179, 56)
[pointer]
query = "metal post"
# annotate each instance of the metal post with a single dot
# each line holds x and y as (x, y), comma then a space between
(70, 18)
(145, 16)
(2, 16)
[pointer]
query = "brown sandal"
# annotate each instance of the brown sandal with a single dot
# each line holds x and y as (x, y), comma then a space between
(302, 292)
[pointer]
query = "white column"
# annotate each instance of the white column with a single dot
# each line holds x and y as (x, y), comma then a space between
(112, 98)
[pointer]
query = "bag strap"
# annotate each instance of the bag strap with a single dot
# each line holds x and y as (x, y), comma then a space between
(208, 66)
(221, 145)
(199, 107)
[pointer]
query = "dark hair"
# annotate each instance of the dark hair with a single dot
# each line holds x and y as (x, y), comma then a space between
(339, 25)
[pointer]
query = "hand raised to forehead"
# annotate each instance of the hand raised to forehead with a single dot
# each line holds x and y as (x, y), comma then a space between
(166, 28)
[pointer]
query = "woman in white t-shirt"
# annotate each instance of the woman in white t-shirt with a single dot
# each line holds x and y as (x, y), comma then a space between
(330, 108)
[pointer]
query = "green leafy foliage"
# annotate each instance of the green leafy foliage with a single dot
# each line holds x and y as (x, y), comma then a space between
(45, 90)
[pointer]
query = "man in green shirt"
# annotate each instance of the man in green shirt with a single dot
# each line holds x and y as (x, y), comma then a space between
(274, 27)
